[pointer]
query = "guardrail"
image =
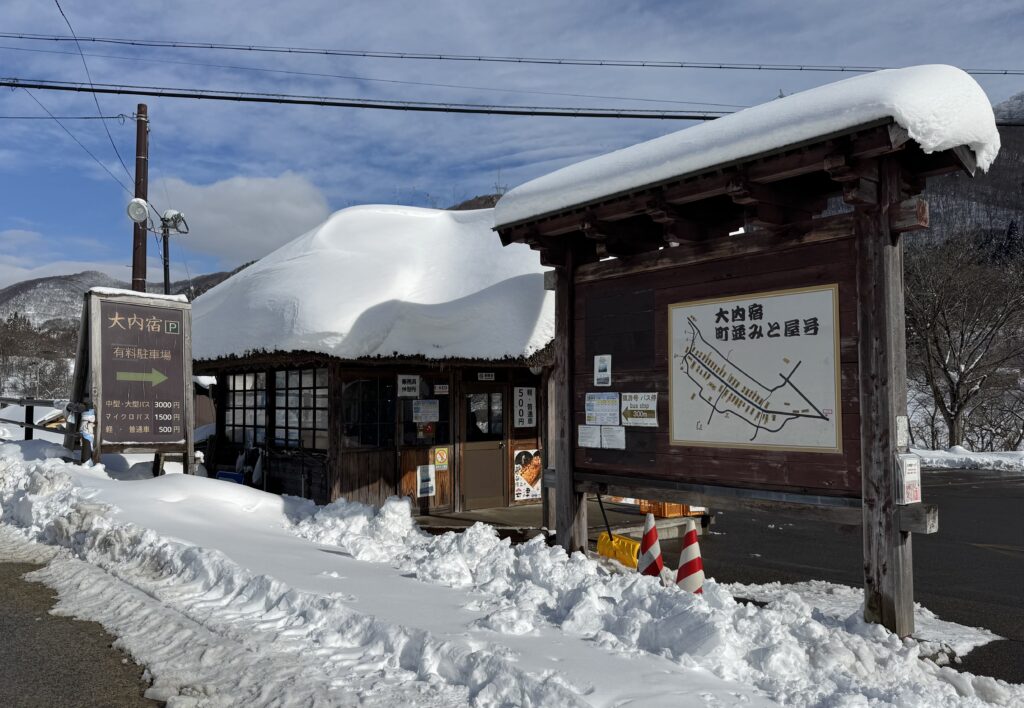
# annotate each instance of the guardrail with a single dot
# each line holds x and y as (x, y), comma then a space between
(29, 404)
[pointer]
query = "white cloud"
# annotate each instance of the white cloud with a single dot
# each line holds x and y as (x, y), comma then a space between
(242, 218)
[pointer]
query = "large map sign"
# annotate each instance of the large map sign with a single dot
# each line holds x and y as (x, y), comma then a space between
(758, 370)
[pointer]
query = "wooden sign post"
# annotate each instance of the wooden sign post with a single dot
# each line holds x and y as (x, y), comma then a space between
(888, 560)
(134, 370)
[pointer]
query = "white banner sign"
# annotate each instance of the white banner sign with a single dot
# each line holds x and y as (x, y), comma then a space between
(758, 371)
(425, 481)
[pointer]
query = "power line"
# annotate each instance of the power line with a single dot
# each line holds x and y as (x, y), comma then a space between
(95, 98)
(333, 102)
(351, 77)
(120, 117)
(329, 102)
(632, 63)
(80, 144)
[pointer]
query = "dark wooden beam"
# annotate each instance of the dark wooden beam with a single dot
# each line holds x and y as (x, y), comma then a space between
(888, 559)
(832, 228)
(570, 505)
(860, 192)
(968, 160)
(908, 215)
(837, 510)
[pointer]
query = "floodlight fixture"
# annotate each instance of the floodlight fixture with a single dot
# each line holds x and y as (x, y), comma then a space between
(172, 219)
(138, 210)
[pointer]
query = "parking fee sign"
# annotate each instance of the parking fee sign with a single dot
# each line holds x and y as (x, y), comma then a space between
(525, 407)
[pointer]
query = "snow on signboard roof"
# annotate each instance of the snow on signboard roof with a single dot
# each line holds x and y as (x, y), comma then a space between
(940, 106)
(383, 281)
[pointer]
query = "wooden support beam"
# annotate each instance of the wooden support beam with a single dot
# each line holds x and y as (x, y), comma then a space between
(888, 559)
(860, 192)
(908, 215)
(677, 227)
(570, 505)
(968, 160)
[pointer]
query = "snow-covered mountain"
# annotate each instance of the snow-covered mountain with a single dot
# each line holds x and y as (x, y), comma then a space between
(57, 300)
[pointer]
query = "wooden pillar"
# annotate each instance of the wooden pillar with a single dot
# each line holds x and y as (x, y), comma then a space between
(888, 561)
(547, 495)
(570, 505)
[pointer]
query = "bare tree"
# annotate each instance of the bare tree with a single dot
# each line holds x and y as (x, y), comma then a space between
(965, 321)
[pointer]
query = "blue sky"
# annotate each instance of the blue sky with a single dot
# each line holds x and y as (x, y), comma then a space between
(251, 177)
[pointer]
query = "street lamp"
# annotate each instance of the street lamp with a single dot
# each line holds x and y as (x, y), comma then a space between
(172, 219)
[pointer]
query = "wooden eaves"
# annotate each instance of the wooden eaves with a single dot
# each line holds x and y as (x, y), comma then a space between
(779, 190)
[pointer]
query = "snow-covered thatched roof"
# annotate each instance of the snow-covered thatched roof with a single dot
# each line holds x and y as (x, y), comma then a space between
(384, 281)
(941, 107)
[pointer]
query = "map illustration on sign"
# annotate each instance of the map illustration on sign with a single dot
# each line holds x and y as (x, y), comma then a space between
(759, 370)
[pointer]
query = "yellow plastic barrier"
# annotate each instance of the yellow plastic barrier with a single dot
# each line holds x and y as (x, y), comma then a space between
(621, 548)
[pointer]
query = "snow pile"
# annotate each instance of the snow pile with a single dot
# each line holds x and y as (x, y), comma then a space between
(793, 649)
(941, 107)
(218, 590)
(960, 458)
(384, 281)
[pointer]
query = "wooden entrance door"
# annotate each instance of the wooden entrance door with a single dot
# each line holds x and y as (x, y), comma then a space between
(483, 448)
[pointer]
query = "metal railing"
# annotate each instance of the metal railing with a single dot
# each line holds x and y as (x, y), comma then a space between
(29, 404)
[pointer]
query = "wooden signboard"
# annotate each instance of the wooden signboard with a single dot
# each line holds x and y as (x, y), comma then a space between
(134, 369)
(754, 315)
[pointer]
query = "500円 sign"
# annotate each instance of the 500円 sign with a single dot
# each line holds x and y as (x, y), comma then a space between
(759, 371)
(136, 355)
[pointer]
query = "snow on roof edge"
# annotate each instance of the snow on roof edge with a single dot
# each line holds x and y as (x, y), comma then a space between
(99, 290)
(940, 106)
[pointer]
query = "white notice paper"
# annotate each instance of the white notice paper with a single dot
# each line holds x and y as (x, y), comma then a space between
(613, 437)
(602, 409)
(588, 436)
(603, 370)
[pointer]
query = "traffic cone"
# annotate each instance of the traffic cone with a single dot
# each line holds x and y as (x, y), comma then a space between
(650, 562)
(690, 576)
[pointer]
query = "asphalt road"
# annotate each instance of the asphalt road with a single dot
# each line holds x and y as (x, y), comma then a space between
(50, 661)
(970, 572)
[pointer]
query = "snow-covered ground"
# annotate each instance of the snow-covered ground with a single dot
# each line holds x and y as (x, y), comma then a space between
(960, 458)
(232, 596)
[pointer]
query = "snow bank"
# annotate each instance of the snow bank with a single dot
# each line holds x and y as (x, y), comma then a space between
(809, 646)
(383, 281)
(229, 595)
(960, 458)
(940, 106)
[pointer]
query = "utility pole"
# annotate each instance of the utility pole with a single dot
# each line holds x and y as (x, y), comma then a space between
(141, 191)
(165, 228)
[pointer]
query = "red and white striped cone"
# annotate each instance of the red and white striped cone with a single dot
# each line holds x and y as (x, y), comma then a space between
(650, 562)
(690, 576)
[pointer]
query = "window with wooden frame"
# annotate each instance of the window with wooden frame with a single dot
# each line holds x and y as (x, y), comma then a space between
(245, 412)
(300, 408)
(368, 409)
